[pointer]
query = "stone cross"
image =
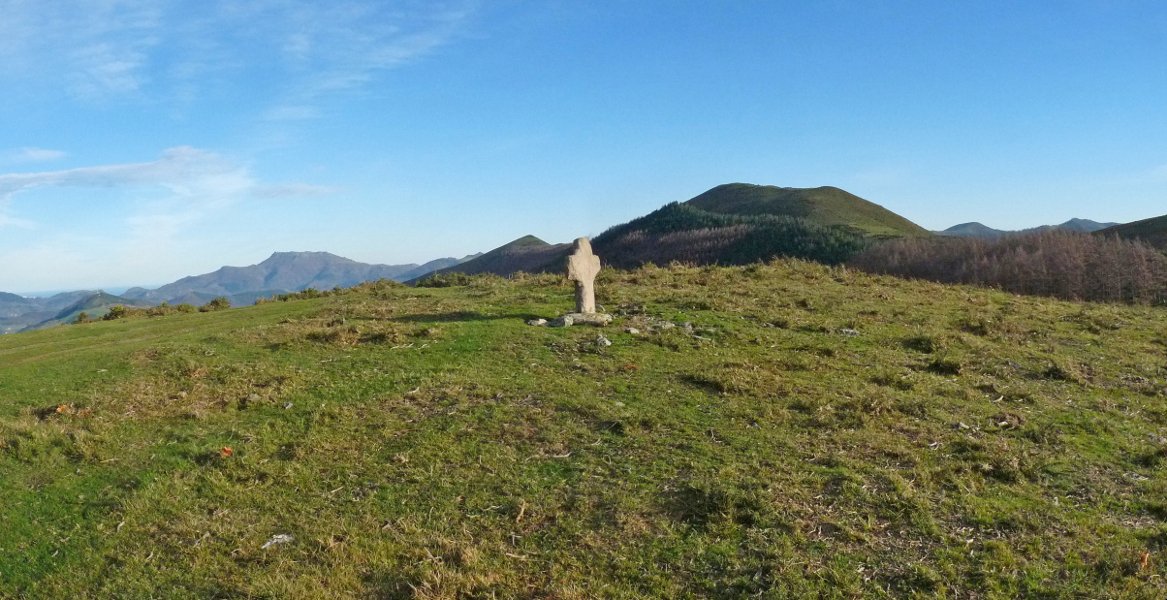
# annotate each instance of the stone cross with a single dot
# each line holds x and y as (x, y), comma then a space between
(582, 267)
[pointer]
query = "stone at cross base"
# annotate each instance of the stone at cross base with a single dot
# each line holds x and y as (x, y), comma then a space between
(582, 268)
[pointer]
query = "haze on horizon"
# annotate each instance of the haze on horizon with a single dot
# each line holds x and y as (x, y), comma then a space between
(144, 141)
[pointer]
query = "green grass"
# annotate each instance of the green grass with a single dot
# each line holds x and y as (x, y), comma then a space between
(811, 432)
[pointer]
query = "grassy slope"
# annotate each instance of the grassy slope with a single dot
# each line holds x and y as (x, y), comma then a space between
(822, 205)
(816, 432)
(1153, 231)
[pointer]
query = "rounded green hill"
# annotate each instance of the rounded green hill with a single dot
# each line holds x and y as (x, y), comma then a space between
(822, 205)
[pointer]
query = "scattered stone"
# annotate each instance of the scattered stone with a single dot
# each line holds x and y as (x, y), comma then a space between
(847, 331)
(537, 322)
(279, 538)
(632, 330)
(564, 321)
(596, 319)
(602, 341)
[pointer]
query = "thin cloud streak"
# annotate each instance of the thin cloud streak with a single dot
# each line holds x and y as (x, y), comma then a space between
(290, 190)
(7, 220)
(196, 181)
(33, 155)
(177, 165)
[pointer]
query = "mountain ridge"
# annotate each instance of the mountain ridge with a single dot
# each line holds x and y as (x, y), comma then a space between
(1152, 230)
(977, 229)
(280, 273)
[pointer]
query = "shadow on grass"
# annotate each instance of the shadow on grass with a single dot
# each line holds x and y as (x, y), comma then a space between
(465, 315)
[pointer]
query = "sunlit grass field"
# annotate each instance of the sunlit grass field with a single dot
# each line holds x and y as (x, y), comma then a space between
(775, 431)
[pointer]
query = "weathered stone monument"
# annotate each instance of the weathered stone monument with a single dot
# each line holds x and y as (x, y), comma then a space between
(582, 268)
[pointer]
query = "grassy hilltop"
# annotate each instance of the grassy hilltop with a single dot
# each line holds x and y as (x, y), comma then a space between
(822, 206)
(786, 430)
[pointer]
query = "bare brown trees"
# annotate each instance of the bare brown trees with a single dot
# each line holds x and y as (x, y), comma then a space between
(1073, 266)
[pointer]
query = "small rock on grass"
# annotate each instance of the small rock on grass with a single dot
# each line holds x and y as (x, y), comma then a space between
(596, 319)
(603, 342)
(537, 322)
(279, 538)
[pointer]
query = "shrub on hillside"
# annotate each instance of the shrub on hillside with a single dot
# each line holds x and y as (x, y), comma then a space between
(441, 280)
(219, 303)
(1072, 266)
(116, 311)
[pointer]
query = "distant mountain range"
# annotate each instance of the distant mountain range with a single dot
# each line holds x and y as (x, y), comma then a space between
(281, 273)
(979, 230)
(18, 313)
(735, 223)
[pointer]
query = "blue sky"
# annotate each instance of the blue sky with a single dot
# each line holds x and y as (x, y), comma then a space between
(142, 141)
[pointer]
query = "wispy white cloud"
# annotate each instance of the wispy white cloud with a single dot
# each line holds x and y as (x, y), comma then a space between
(289, 190)
(104, 49)
(342, 47)
(291, 113)
(194, 181)
(32, 155)
(97, 48)
(177, 167)
(105, 69)
(7, 220)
